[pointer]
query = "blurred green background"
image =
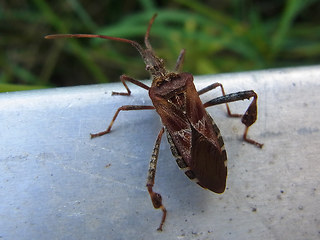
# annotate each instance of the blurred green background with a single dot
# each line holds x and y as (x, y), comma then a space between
(219, 36)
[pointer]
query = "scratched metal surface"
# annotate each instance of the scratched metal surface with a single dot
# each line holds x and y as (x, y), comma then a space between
(54, 183)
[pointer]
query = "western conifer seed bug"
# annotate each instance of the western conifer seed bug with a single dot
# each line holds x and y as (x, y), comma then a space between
(195, 140)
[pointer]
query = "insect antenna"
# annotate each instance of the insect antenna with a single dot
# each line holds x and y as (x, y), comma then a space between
(147, 54)
(146, 37)
(133, 43)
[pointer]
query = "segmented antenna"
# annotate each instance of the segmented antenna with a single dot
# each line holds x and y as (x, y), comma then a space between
(146, 37)
(133, 43)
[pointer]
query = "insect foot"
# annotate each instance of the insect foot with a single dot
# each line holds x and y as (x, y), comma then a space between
(248, 119)
(157, 203)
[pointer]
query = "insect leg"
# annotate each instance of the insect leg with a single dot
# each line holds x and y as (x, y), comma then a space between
(213, 86)
(124, 78)
(180, 60)
(248, 118)
(123, 108)
(155, 197)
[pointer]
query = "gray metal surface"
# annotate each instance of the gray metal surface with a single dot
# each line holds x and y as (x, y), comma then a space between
(57, 183)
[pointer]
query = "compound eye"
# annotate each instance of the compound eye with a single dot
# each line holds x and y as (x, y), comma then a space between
(158, 82)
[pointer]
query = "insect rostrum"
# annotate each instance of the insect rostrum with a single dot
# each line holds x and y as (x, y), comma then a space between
(194, 138)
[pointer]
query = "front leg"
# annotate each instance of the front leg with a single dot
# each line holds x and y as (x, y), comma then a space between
(180, 61)
(125, 78)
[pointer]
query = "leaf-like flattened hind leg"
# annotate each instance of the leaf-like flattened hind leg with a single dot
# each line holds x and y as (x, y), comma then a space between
(248, 118)
(156, 197)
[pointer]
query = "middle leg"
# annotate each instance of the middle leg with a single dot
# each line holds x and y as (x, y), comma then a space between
(123, 108)
(213, 86)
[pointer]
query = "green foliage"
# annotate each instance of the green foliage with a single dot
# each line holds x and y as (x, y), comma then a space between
(219, 36)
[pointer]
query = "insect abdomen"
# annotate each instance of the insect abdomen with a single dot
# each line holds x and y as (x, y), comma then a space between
(212, 166)
(180, 161)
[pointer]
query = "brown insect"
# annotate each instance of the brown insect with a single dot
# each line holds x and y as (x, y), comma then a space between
(195, 139)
